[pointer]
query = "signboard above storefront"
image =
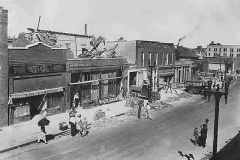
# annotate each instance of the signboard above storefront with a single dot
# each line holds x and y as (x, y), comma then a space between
(101, 62)
(35, 69)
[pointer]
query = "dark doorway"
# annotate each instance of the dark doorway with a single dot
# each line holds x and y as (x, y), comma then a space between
(34, 105)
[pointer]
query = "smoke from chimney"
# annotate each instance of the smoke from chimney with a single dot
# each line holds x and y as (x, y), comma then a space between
(85, 29)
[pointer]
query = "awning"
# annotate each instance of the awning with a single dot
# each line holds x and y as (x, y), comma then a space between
(35, 93)
(84, 82)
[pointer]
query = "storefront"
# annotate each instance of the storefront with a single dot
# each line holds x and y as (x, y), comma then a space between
(165, 76)
(35, 82)
(97, 81)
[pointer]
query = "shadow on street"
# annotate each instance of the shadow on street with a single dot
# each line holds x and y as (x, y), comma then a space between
(231, 151)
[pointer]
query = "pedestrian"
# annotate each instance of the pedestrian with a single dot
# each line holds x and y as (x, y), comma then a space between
(84, 127)
(72, 121)
(196, 135)
(79, 124)
(42, 135)
(148, 111)
(140, 108)
(76, 100)
(204, 130)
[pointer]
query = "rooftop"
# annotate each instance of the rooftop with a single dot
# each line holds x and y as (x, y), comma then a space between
(61, 33)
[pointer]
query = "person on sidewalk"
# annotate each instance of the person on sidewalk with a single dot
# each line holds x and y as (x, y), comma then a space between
(148, 112)
(42, 135)
(196, 135)
(204, 130)
(79, 124)
(84, 127)
(76, 100)
(140, 104)
(72, 121)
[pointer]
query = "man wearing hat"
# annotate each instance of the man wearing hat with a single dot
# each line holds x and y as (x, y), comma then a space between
(204, 130)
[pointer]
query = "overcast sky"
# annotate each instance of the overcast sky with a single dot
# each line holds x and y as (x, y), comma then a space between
(160, 20)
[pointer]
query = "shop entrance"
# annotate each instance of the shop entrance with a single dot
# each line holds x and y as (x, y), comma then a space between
(35, 104)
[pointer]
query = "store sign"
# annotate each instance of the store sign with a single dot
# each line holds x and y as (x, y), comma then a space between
(34, 69)
(108, 100)
(73, 65)
(82, 63)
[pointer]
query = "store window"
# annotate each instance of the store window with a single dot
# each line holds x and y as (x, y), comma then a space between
(156, 59)
(166, 58)
(22, 110)
(54, 102)
(142, 59)
(149, 58)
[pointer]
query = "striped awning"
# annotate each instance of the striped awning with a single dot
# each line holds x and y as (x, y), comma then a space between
(35, 93)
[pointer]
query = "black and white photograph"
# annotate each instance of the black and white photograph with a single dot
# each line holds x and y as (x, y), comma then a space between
(119, 79)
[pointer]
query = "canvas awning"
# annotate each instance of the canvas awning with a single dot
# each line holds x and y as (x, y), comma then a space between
(35, 93)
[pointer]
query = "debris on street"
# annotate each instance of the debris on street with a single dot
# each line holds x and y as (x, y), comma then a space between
(160, 105)
(98, 115)
(184, 95)
(108, 122)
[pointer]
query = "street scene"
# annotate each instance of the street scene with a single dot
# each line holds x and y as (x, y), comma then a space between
(119, 80)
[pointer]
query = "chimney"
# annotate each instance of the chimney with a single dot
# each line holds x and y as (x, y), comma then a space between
(3, 67)
(85, 29)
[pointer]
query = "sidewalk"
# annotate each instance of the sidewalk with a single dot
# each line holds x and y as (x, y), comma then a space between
(25, 133)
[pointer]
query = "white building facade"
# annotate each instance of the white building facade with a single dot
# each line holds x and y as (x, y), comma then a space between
(219, 50)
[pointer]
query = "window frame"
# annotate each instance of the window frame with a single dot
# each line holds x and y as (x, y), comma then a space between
(142, 59)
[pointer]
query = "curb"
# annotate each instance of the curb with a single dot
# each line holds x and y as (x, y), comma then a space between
(35, 141)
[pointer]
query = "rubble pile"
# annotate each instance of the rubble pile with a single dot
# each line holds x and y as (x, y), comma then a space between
(108, 122)
(132, 102)
(134, 112)
(172, 99)
(160, 105)
(184, 95)
(98, 115)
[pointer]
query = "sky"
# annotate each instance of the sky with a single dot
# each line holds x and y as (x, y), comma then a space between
(201, 21)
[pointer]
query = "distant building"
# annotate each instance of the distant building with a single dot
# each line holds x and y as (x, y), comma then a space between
(219, 50)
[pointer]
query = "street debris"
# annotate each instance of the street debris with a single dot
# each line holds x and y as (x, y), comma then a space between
(184, 95)
(172, 99)
(160, 105)
(98, 115)
(108, 122)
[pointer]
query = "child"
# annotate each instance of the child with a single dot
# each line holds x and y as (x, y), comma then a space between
(79, 124)
(84, 127)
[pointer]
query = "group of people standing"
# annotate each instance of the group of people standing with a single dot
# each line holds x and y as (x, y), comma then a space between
(77, 123)
(201, 137)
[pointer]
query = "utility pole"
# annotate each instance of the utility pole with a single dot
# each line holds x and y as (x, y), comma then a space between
(150, 87)
(217, 94)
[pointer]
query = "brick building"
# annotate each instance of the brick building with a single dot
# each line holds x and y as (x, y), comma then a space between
(143, 54)
(3, 67)
(97, 81)
(36, 71)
